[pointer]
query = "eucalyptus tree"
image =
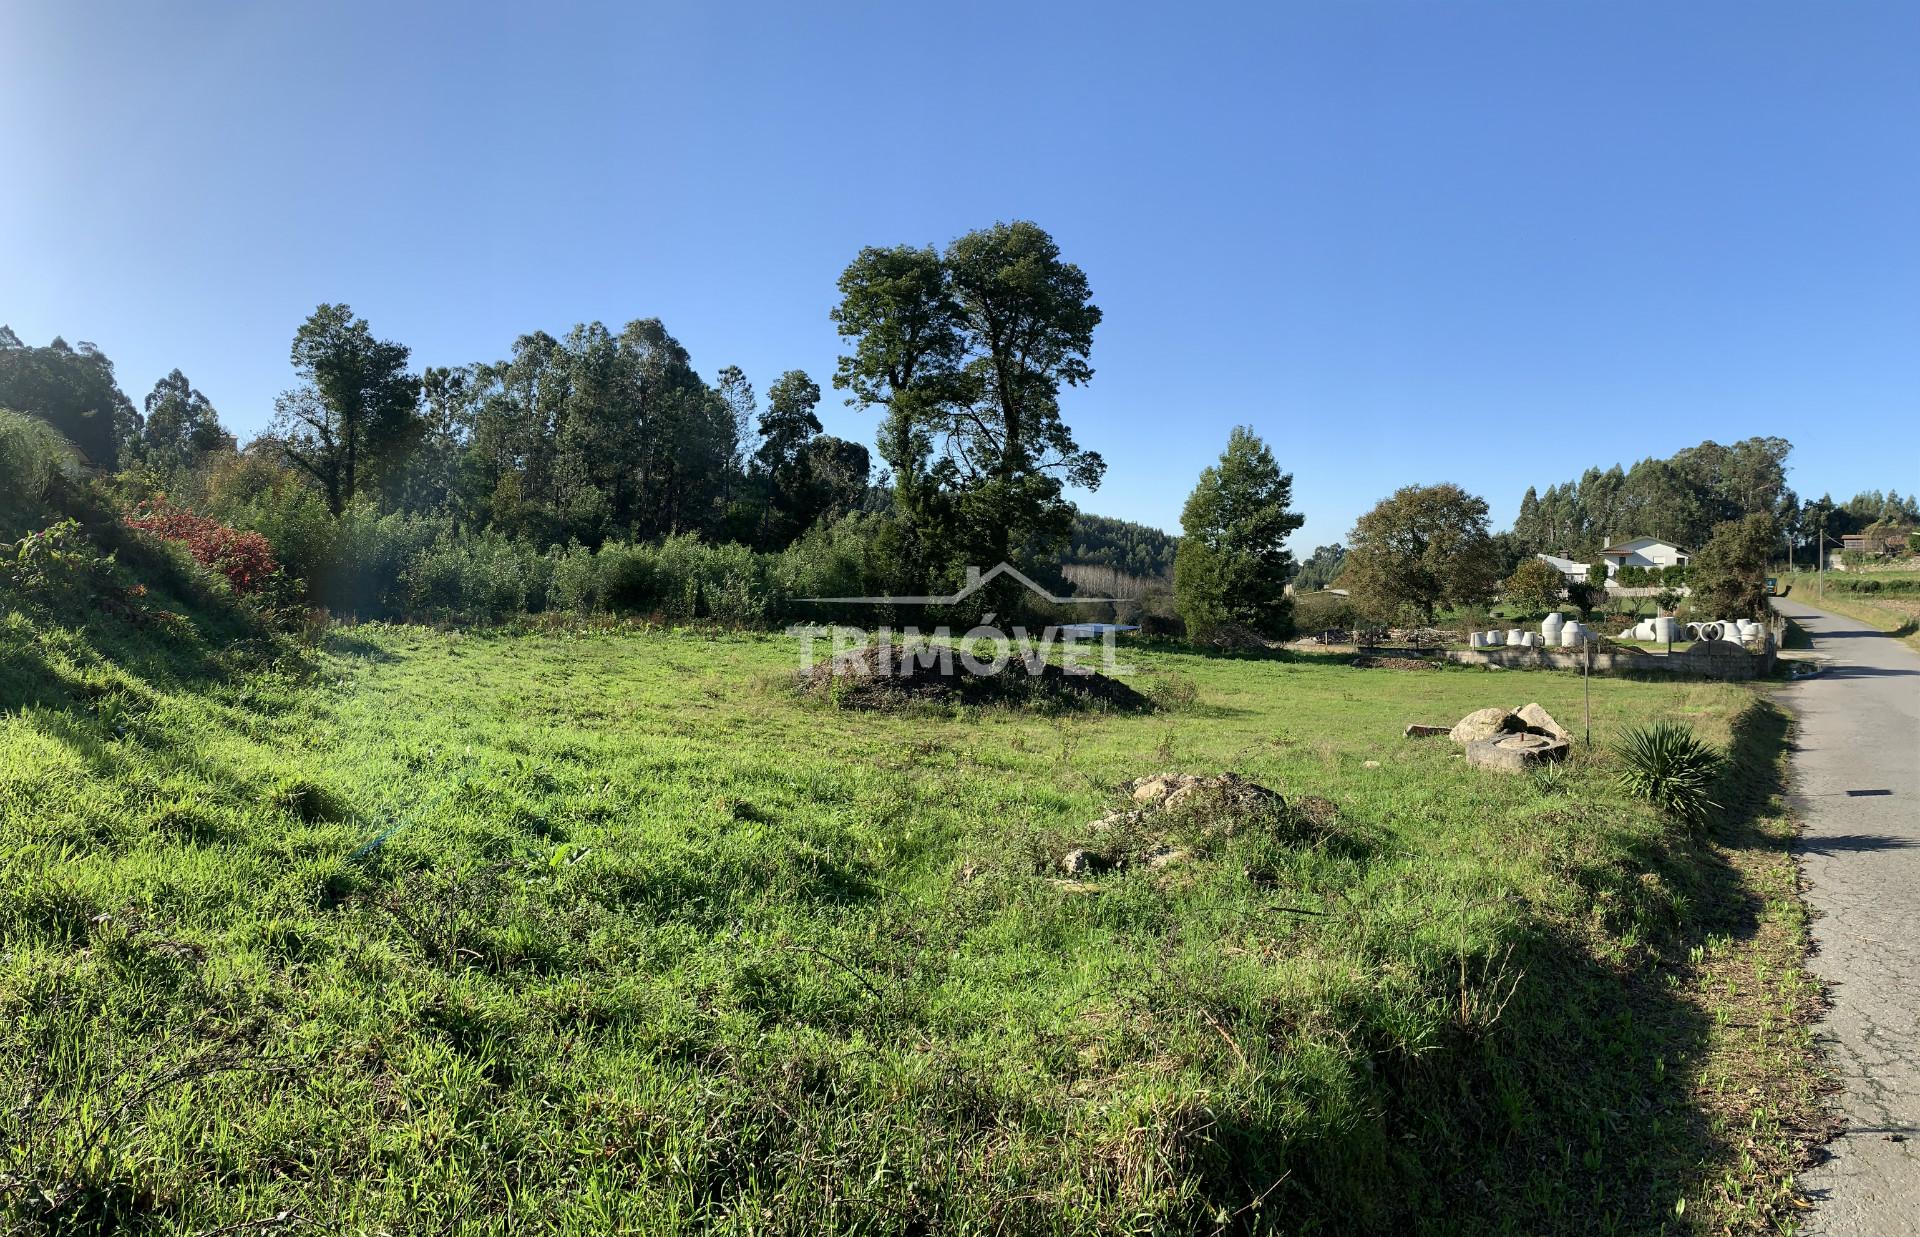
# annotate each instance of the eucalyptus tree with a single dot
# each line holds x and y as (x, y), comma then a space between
(180, 426)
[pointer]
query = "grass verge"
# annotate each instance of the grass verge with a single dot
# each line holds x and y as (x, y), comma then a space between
(1899, 617)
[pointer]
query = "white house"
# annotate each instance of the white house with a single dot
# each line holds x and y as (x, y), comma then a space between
(1570, 571)
(1643, 552)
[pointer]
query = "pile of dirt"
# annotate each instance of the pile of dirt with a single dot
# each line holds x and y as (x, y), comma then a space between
(1394, 663)
(877, 677)
(1170, 819)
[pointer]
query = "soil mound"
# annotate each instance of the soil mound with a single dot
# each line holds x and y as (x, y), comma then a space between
(875, 678)
(1394, 663)
(1172, 819)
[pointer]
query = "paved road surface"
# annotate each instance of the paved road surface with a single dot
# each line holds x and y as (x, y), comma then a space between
(1856, 784)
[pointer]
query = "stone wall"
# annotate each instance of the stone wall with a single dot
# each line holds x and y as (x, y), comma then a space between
(1718, 659)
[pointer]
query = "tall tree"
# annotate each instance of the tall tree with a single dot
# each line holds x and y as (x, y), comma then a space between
(1425, 547)
(1728, 575)
(73, 389)
(786, 429)
(1678, 499)
(897, 309)
(789, 421)
(968, 350)
(355, 417)
(1232, 565)
(181, 425)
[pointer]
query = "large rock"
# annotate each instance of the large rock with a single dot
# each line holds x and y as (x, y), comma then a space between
(1484, 724)
(1539, 721)
(1083, 863)
(1515, 753)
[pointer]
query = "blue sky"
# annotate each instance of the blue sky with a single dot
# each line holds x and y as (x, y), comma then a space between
(1486, 243)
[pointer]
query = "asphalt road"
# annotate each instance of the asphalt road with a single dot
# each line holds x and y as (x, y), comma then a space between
(1856, 785)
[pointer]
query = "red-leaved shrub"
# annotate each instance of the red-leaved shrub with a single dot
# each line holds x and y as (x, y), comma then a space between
(245, 559)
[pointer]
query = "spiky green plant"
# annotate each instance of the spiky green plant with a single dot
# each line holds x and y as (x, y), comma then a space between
(1669, 767)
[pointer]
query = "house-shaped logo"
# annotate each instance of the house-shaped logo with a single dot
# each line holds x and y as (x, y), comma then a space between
(976, 580)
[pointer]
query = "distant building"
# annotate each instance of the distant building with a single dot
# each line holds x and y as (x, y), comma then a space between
(1570, 571)
(1876, 543)
(1643, 552)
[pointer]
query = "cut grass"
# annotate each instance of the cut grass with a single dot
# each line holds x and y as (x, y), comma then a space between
(602, 931)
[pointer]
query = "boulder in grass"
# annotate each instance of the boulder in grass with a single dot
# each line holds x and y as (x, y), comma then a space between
(1083, 863)
(1538, 721)
(1485, 724)
(1516, 753)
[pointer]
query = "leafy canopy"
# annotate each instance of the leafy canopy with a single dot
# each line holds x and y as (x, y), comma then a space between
(1423, 548)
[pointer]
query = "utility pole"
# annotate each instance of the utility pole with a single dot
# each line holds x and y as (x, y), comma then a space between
(1820, 550)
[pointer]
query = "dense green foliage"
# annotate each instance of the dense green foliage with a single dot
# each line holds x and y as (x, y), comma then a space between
(1101, 541)
(1683, 498)
(72, 389)
(1321, 569)
(1424, 548)
(966, 351)
(1233, 566)
(33, 457)
(1729, 574)
(1534, 587)
(1678, 499)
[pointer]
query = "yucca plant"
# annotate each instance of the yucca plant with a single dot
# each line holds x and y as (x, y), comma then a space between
(1667, 766)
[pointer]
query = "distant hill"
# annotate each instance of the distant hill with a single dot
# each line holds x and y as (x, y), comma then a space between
(1137, 550)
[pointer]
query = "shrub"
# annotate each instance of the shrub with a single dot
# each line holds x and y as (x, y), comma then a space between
(32, 457)
(1535, 587)
(244, 559)
(1584, 596)
(247, 491)
(483, 576)
(1666, 765)
(626, 579)
(370, 554)
(57, 566)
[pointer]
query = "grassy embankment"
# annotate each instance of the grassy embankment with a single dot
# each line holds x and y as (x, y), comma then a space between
(598, 930)
(1894, 606)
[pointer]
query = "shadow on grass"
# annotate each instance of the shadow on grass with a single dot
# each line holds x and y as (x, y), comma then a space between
(1576, 1110)
(342, 644)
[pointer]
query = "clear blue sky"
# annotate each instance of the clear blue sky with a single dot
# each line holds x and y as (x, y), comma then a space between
(1487, 243)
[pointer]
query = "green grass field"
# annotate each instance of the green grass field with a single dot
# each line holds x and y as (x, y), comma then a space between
(586, 931)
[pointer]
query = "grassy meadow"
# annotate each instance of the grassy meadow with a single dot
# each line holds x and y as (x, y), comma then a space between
(592, 930)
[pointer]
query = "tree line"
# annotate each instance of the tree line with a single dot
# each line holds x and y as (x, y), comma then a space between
(1683, 498)
(604, 436)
